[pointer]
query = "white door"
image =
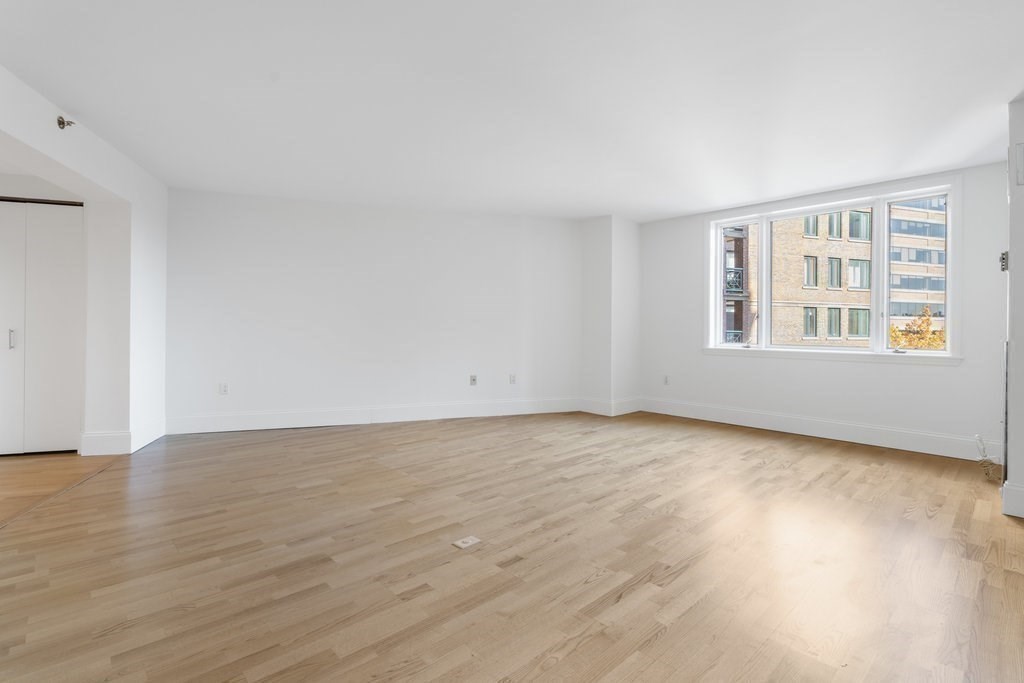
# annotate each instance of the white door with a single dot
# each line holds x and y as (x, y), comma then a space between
(12, 327)
(54, 328)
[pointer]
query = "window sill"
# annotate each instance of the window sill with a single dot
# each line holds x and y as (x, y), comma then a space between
(844, 356)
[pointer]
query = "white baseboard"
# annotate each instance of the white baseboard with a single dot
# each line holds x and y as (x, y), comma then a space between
(950, 445)
(1013, 499)
(595, 406)
(598, 406)
(243, 421)
(106, 443)
(627, 406)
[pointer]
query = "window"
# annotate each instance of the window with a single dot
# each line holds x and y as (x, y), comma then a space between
(739, 284)
(810, 271)
(810, 226)
(883, 290)
(860, 226)
(835, 226)
(860, 320)
(860, 274)
(795, 277)
(917, 273)
(834, 323)
(835, 273)
(810, 322)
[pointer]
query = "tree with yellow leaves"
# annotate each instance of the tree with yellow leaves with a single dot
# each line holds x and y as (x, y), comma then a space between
(918, 333)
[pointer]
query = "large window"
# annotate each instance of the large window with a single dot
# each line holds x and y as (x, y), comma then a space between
(884, 289)
(917, 273)
(739, 284)
(794, 277)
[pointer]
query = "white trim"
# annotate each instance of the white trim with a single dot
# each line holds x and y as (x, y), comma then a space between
(839, 355)
(106, 443)
(284, 419)
(1013, 499)
(950, 445)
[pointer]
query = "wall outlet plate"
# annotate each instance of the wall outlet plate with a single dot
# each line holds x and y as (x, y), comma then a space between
(464, 543)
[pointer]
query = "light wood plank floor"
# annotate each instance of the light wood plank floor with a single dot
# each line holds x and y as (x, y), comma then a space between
(636, 548)
(28, 480)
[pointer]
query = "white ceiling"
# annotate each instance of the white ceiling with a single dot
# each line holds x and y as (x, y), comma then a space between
(643, 108)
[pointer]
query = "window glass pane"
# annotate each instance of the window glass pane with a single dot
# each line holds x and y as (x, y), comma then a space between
(835, 226)
(810, 271)
(860, 225)
(834, 322)
(739, 284)
(835, 272)
(860, 274)
(860, 320)
(811, 226)
(795, 263)
(810, 322)
(917, 273)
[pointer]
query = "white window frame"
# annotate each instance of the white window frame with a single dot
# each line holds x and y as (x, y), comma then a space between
(877, 197)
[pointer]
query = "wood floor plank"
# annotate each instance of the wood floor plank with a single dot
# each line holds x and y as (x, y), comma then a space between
(639, 548)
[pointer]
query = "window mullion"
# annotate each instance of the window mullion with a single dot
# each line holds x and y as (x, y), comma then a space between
(879, 276)
(764, 274)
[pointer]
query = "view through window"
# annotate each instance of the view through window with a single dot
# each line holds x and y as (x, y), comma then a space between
(798, 302)
(869, 276)
(917, 273)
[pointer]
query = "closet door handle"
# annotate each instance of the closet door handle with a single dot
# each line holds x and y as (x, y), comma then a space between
(10, 338)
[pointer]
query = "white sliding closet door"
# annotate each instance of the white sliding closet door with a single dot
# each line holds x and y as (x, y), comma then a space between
(12, 327)
(54, 327)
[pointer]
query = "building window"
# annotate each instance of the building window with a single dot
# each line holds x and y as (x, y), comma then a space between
(907, 293)
(859, 324)
(834, 323)
(835, 226)
(810, 271)
(860, 274)
(810, 226)
(860, 226)
(810, 322)
(835, 273)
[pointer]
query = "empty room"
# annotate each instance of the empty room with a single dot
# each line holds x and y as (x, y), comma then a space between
(461, 340)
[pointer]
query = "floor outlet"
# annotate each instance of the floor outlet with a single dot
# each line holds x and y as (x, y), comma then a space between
(464, 543)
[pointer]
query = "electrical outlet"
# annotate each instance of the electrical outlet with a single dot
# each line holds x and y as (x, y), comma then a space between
(464, 543)
(222, 389)
(512, 378)
(472, 380)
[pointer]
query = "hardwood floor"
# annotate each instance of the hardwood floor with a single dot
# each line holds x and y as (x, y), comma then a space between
(640, 548)
(28, 480)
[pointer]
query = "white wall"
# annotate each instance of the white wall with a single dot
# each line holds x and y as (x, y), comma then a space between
(596, 343)
(316, 313)
(930, 408)
(625, 316)
(126, 252)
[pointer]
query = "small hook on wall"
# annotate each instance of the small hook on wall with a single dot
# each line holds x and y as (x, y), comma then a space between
(63, 123)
